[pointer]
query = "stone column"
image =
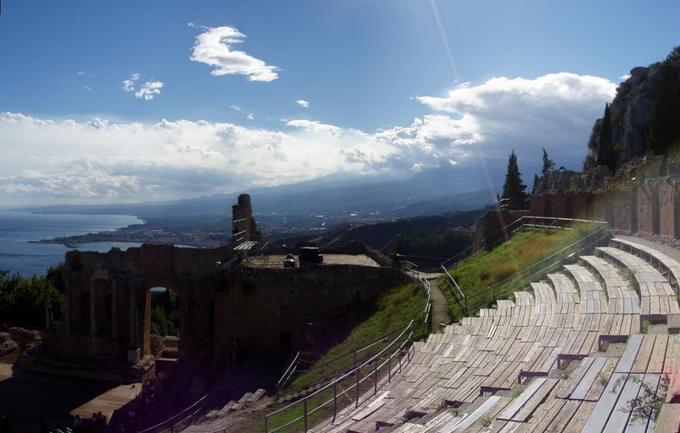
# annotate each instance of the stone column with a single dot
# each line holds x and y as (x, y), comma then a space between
(93, 317)
(132, 307)
(114, 310)
(67, 310)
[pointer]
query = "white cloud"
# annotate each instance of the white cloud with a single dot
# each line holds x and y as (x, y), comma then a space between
(214, 48)
(313, 125)
(103, 160)
(149, 90)
(129, 84)
(554, 110)
(80, 73)
(190, 24)
(235, 107)
(251, 116)
(302, 103)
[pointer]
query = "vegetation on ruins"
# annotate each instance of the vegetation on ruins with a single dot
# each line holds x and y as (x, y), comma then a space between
(164, 314)
(649, 400)
(514, 190)
(490, 275)
(23, 299)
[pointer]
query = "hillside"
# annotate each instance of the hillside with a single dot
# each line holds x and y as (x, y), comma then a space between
(424, 240)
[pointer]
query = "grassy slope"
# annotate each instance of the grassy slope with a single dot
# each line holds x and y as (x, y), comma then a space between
(477, 273)
(394, 309)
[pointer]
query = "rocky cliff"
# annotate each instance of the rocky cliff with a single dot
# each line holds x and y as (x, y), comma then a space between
(643, 118)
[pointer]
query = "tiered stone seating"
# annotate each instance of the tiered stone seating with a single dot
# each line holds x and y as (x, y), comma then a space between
(656, 295)
(500, 371)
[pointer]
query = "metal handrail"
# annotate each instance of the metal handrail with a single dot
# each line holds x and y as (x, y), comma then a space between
(548, 257)
(288, 373)
(172, 421)
(333, 384)
(557, 262)
(353, 353)
(519, 223)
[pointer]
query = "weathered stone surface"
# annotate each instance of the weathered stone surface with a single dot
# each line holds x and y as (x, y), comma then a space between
(562, 181)
(8, 348)
(251, 310)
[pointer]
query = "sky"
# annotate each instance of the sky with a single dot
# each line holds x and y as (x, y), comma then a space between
(104, 102)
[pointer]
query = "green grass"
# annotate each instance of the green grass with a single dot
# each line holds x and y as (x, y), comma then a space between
(479, 276)
(394, 309)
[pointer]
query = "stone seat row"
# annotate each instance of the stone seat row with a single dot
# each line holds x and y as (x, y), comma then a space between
(565, 318)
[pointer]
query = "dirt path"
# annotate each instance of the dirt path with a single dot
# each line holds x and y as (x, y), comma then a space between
(440, 309)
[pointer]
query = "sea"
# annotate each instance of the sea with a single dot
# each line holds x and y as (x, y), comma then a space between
(18, 228)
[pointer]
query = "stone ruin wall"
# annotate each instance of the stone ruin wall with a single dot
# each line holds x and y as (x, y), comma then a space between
(651, 208)
(270, 310)
(108, 303)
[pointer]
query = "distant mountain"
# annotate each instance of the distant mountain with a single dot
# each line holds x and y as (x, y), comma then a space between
(427, 192)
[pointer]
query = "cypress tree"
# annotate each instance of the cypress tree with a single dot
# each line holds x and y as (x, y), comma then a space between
(514, 188)
(606, 155)
(548, 164)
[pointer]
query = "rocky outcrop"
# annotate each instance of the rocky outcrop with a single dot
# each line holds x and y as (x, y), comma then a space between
(7, 346)
(595, 179)
(636, 113)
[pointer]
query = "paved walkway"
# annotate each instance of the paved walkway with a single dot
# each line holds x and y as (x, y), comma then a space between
(440, 308)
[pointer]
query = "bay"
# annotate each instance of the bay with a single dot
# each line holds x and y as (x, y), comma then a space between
(17, 228)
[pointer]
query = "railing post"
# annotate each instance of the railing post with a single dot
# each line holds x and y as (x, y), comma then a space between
(266, 424)
(389, 368)
(305, 414)
(375, 377)
(356, 376)
(335, 400)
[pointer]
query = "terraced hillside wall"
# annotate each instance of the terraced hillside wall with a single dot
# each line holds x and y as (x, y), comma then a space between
(650, 207)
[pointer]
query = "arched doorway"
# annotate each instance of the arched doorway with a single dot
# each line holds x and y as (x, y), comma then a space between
(163, 326)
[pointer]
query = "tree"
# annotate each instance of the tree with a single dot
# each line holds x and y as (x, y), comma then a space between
(606, 155)
(514, 195)
(23, 299)
(548, 164)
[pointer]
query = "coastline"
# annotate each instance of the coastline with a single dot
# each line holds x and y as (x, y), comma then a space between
(147, 233)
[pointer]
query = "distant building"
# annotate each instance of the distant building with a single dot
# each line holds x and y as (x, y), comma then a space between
(243, 227)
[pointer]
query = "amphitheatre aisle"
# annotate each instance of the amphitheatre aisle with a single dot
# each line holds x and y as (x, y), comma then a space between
(568, 354)
(440, 309)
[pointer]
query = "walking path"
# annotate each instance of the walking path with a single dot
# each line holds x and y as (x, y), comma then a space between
(440, 309)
